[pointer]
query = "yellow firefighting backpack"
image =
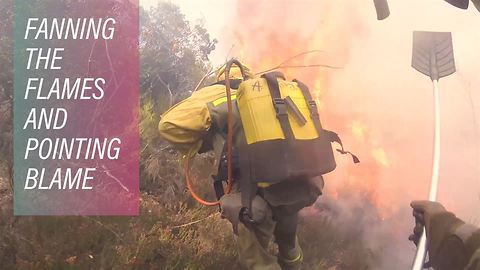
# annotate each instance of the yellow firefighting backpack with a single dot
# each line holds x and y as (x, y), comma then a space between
(185, 124)
(284, 139)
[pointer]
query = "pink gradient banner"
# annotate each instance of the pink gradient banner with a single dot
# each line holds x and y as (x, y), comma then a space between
(76, 138)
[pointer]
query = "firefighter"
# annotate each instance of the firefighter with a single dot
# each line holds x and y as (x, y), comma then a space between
(452, 244)
(275, 208)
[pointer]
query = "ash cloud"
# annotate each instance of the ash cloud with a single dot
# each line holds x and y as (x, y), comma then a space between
(381, 107)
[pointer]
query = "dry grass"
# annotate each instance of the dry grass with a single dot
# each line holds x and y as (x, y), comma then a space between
(151, 241)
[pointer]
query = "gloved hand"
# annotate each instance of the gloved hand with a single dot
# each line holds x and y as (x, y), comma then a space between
(231, 205)
(423, 211)
(446, 251)
(223, 165)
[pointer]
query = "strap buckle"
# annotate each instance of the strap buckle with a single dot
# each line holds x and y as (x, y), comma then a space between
(313, 109)
(280, 107)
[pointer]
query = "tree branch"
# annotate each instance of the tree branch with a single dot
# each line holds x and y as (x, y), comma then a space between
(170, 103)
(107, 172)
(106, 227)
(282, 64)
(10, 176)
(209, 72)
(90, 57)
(195, 222)
(111, 64)
(300, 66)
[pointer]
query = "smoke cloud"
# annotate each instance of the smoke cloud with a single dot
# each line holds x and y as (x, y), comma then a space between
(380, 106)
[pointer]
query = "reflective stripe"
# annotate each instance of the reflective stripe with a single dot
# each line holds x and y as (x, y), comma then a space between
(299, 257)
(263, 184)
(223, 100)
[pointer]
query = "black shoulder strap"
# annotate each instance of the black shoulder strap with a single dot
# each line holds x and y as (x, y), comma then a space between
(279, 102)
(312, 107)
(221, 173)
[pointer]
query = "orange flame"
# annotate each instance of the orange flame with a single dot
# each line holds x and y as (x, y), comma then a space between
(264, 40)
(380, 107)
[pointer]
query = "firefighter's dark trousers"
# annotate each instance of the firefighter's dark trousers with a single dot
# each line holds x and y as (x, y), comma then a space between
(254, 242)
(275, 216)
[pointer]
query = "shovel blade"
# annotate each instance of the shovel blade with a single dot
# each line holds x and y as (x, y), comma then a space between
(433, 54)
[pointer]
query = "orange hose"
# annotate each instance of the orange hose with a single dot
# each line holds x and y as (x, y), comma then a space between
(229, 142)
(190, 187)
(229, 125)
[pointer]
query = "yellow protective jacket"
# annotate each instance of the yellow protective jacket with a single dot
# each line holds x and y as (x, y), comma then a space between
(187, 124)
